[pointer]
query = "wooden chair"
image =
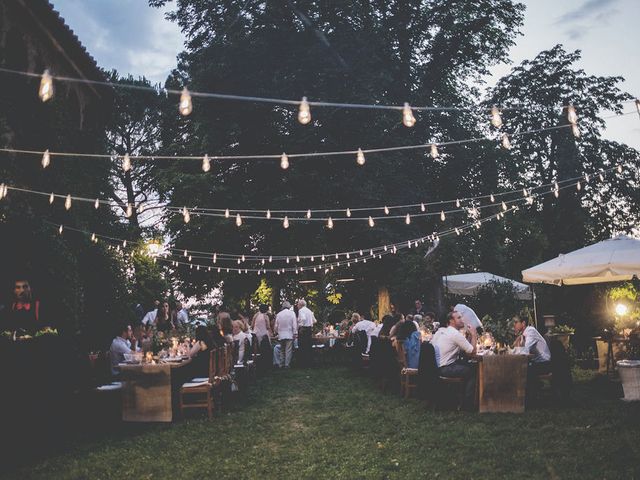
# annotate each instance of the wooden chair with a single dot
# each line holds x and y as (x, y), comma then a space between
(457, 383)
(408, 376)
(199, 394)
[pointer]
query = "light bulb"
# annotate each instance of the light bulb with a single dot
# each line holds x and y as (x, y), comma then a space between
(434, 150)
(457, 231)
(442, 215)
(186, 215)
(297, 258)
(268, 214)
(371, 222)
(284, 161)
(575, 130)
(506, 144)
(51, 198)
(67, 202)
(322, 258)
(308, 213)
(304, 114)
(206, 163)
(126, 163)
(185, 254)
(215, 258)
(270, 258)
(60, 229)
(124, 244)
(96, 204)
(285, 222)
(496, 117)
(46, 159)
(504, 206)
(601, 176)
(619, 169)
(407, 116)
(185, 107)
(386, 210)
(360, 157)
(226, 213)
(238, 220)
(578, 186)
(348, 212)
(407, 219)
(129, 210)
(330, 223)
(572, 116)
(423, 207)
(524, 192)
(93, 237)
(458, 203)
(242, 258)
(45, 92)
(492, 198)
(586, 178)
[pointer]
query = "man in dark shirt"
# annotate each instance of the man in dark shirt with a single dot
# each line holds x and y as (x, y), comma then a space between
(23, 316)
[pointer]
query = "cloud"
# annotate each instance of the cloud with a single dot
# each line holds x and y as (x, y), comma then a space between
(126, 35)
(591, 14)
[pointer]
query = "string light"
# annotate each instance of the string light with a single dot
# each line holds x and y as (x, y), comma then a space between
(407, 219)
(60, 230)
(578, 186)
(348, 212)
(238, 220)
(206, 164)
(96, 204)
(619, 168)
(45, 92)
(67, 202)
(308, 213)
(457, 231)
(504, 206)
(51, 198)
(423, 207)
(186, 215)
(215, 258)
(126, 163)
(285, 222)
(457, 202)
(575, 130)
(496, 118)
(304, 114)
(407, 116)
(371, 222)
(226, 213)
(330, 223)
(268, 214)
(129, 211)
(185, 107)
(434, 151)
(442, 215)
(46, 159)
(506, 143)
(3, 191)
(386, 210)
(572, 116)
(284, 161)
(360, 157)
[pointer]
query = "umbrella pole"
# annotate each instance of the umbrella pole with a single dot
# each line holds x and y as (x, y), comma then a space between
(535, 309)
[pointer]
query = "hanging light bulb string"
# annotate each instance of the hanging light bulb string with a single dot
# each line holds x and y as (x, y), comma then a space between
(358, 254)
(255, 99)
(241, 215)
(206, 159)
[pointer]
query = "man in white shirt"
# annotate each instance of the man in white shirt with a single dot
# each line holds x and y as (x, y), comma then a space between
(533, 344)
(286, 327)
(182, 315)
(306, 320)
(469, 317)
(448, 345)
(125, 342)
(363, 325)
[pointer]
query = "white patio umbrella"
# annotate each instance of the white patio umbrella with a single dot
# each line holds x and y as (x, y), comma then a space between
(470, 283)
(613, 260)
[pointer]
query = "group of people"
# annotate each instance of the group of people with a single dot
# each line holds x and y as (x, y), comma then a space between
(163, 316)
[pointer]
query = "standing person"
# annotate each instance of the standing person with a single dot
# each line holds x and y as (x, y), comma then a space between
(306, 320)
(182, 315)
(469, 318)
(24, 314)
(286, 328)
(448, 345)
(363, 325)
(260, 325)
(123, 343)
(226, 326)
(419, 308)
(160, 318)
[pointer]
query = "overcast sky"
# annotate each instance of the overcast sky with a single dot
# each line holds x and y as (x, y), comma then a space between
(134, 38)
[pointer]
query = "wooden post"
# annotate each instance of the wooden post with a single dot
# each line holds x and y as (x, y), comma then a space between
(384, 302)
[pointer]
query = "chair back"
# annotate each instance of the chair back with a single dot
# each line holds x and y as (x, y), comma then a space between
(561, 379)
(427, 372)
(401, 357)
(213, 364)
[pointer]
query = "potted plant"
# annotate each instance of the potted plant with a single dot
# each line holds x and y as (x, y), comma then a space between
(629, 369)
(562, 333)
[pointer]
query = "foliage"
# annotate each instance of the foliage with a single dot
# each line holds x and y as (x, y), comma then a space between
(501, 329)
(596, 437)
(561, 330)
(628, 295)
(263, 294)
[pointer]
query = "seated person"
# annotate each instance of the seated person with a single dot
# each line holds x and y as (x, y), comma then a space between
(199, 352)
(428, 320)
(534, 344)
(449, 345)
(469, 318)
(388, 321)
(239, 336)
(411, 343)
(226, 326)
(123, 343)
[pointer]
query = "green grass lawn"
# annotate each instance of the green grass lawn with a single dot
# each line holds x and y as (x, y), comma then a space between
(333, 423)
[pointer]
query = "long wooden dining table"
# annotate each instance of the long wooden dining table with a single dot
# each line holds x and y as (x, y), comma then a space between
(501, 383)
(147, 390)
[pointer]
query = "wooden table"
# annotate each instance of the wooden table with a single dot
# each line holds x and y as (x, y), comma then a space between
(147, 391)
(502, 382)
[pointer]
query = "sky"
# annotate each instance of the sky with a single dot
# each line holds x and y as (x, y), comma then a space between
(133, 38)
